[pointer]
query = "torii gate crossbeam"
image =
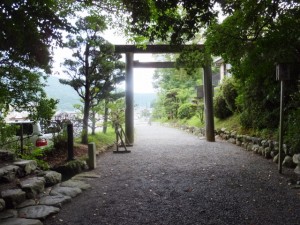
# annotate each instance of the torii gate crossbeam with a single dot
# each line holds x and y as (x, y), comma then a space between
(129, 50)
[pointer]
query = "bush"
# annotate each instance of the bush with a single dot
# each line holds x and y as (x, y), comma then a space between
(292, 131)
(186, 111)
(221, 109)
(229, 91)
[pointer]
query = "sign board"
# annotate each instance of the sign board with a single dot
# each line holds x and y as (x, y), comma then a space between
(287, 71)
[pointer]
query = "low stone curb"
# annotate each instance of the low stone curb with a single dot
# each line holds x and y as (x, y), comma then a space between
(32, 211)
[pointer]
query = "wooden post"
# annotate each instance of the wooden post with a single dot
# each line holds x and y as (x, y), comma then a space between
(129, 111)
(22, 138)
(280, 154)
(92, 155)
(70, 142)
(208, 100)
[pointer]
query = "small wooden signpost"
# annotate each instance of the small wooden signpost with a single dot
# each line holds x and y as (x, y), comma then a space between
(121, 140)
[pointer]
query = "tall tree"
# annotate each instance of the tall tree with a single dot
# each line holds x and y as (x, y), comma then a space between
(93, 67)
(28, 28)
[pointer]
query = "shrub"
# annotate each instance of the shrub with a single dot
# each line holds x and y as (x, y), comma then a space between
(229, 91)
(292, 131)
(186, 111)
(221, 109)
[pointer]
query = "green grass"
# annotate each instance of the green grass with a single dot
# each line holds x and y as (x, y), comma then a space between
(102, 140)
(231, 123)
(195, 122)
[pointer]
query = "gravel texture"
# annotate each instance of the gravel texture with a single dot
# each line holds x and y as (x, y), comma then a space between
(171, 177)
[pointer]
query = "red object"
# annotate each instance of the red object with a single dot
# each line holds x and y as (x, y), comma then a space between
(40, 142)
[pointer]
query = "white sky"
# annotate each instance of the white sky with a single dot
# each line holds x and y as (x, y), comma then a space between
(142, 77)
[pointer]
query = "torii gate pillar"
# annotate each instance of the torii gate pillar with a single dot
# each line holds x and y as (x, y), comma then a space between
(208, 99)
(129, 110)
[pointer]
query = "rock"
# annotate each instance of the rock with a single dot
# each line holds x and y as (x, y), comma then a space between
(52, 178)
(33, 186)
(29, 202)
(255, 140)
(56, 200)
(232, 140)
(8, 173)
(264, 143)
(2, 204)
(249, 146)
(238, 143)
(288, 162)
(37, 211)
(66, 191)
(271, 144)
(10, 213)
(75, 183)
(273, 154)
(275, 159)
(72, 168)
(267, 152)
(296, 158)
(19, 221)
(28, 166)
(233, 134)
(7, 155)
(13, 197)
(255, 148)
(297, 169)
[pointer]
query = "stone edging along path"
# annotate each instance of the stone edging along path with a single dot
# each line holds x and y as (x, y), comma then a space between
(32, 204)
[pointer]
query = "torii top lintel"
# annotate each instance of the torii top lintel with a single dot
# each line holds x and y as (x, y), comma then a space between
(155, 48)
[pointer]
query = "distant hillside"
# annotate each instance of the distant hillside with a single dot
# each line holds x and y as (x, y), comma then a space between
(144, 100)
(67, 96)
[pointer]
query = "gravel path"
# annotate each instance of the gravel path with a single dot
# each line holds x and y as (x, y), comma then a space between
(172, 177)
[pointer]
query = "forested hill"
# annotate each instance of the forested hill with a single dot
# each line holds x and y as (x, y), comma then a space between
(67, 96)
(144, 100)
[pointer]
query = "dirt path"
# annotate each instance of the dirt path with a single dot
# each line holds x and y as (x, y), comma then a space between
(172, 177)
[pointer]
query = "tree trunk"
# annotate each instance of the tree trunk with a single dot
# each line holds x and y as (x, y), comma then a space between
(86, 109)
(93, 122)
(105, 117)
(84, 135)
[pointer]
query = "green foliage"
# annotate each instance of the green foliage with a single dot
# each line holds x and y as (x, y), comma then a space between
(103, 140)
(224, 100)
(221, 109)
(186, 111)
(292, 129)
(117, 112)
(259, 107)
(6, 133)
(195, 122)
(22, 90)
(37, 154)
(60, 141)
(44, 110)
(175, 20)
(192, 59)
(229, 91)
(28, 28)
(230, 123)
(94, 68)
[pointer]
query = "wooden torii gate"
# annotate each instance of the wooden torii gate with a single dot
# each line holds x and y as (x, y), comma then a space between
(129, 50)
